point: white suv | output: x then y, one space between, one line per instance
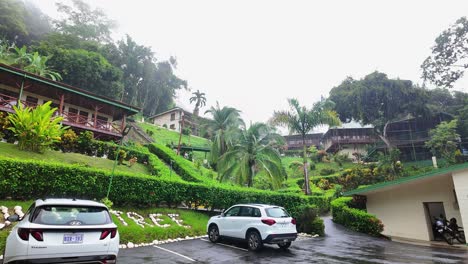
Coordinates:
63 231
256 223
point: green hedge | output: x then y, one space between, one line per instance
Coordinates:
34 179
183 167
355 219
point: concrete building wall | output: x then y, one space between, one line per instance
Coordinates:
402 210
460 180
165 119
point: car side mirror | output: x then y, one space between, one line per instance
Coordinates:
13 218
222 213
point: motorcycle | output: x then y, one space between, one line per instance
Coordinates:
450 231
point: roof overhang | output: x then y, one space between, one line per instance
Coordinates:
385 186
41 81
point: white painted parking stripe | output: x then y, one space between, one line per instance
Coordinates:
225 245
175 253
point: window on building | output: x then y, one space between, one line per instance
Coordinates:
83 117
31 101
172 116
172 127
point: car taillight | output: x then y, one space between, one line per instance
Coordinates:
106 232
268 221
37 235
293 221
23 233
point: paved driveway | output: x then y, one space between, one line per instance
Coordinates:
338 246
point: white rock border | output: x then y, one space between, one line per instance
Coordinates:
158 242
118 215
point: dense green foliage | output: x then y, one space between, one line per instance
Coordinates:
443 142
26 179
183 167
222 128
252 151
308 220
36 128
355 219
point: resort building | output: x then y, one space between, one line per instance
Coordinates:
173 118
348 141
408 207
82 110
295 141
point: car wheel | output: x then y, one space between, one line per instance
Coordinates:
254 240
213 233
284 245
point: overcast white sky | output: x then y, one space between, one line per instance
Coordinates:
253 55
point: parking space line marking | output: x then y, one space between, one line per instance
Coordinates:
180 255
225 245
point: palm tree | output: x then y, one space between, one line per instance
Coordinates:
38 66
200 101
252 152
302 120
222 129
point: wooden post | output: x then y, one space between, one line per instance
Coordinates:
62 100
180 135
95 116
123 122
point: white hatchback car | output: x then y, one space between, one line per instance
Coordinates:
63 231
255 223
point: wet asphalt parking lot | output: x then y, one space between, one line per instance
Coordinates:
338 246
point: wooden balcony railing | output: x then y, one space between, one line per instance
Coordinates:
70 119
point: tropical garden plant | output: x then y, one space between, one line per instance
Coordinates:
222 129
301 120
36 128
252 152
200 101
443 142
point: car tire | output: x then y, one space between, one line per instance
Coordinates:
284 245
213 233
254 241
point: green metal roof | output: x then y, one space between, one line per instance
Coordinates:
67 88
435 172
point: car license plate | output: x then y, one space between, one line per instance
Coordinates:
73 238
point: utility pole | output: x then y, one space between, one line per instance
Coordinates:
180 135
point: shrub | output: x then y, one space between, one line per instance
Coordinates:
183 167
85 143
107 202
121 157
29 179
321 155
324 184
355 219
326 171
308 220
4 124
36 128
69 141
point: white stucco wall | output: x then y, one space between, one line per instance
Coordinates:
402 211
460 180
165 119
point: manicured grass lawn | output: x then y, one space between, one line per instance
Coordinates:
12 151
167 136
136 234
133 232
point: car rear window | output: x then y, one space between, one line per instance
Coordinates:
276 212
71 215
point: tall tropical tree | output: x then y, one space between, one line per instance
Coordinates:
301 120
200 101
222 129
38 66
252 152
